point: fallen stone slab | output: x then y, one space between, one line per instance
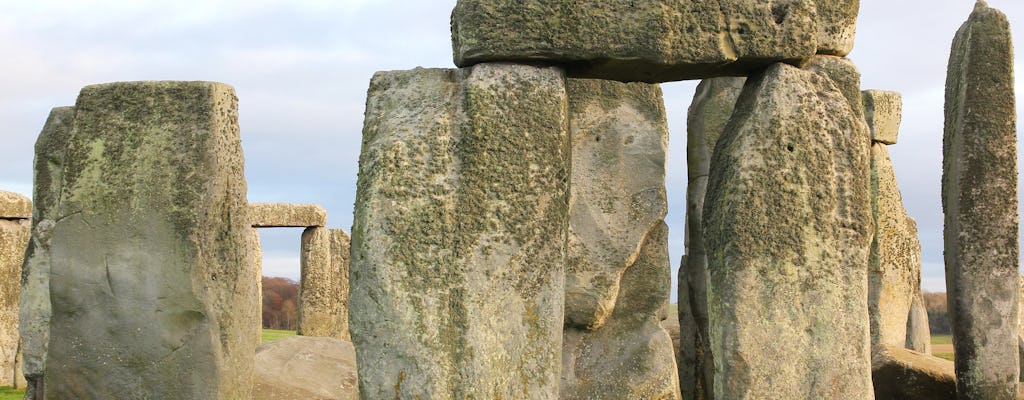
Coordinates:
902 374
14 206
286 215
649 41
793 148
323 286
151 281
305 368
883 111
979 200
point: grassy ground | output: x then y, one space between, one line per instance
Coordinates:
942 346
269 335
8 393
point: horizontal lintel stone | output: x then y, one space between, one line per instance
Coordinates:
285 215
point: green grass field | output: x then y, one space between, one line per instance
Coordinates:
269 335
942 340
9 393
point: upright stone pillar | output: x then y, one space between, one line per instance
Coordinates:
257 262
919 336
618 278
323 287
710 110
151 275
979 200
34 307
15 211
458 240
787 240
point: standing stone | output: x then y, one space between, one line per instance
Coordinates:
844 74
979 200
34 305
458 240
323 290
647 41
919 336
686 350
1020 327
151 278
615 346
837 25
883 112
894 267
787 242
709 112
14 236
257 262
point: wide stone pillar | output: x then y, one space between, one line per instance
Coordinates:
787 243
323 289
979 200
151 275
15 211
458 241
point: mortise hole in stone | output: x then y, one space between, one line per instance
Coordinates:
789 147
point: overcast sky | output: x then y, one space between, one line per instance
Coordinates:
301 69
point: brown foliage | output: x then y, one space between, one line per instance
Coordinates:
280 300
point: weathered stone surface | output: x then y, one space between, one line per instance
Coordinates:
883 111
844 74
686 348
651 41
305 368
457 267
710 110
979 200
14 206
894 269
323 290
837 26
630 357
619 135
792 148
671 325
1020 330
901 374
151 280
282 215
34 306
14 235
257 262
919 336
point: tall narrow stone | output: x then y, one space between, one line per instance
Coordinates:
323 289
709 112
151 279
458 240
787 239
919 336
618 277
257 262
14 236
979 200
34 306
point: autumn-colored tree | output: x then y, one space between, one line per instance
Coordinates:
280 299
938 315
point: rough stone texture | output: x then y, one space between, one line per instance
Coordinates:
919 336
619 135
284 215
14 206
979 200
883 111
837 26
894 268
458 240
671 325
686 346
708 114
792 148
323 290
151 279
1020 330
14 235
901 374
844 74
650 41
257 262
630 357
305 368
34 305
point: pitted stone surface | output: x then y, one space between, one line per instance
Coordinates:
14 206
792 148
979 200
150 265
919 336
14 235
837 25
630 356
883 111
619 134
283 215
649 41
894 269
901 374
457 280
844 74
34 305
323 294
712 105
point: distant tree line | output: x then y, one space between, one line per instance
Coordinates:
938 315
280 303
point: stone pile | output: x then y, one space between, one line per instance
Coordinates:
15 213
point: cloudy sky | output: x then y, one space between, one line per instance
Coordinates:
301 70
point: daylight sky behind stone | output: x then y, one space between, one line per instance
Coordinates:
301 69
